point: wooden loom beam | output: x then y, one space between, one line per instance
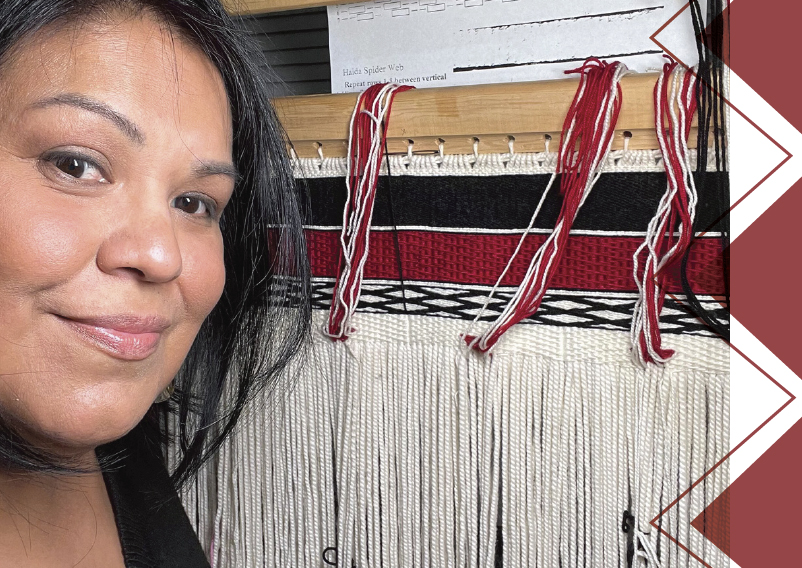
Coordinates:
482 117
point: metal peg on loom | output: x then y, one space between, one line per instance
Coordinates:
546 143
475 151
511 146
320 154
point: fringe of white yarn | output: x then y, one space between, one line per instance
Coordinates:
618 161
400 452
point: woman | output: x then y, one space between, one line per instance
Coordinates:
150 250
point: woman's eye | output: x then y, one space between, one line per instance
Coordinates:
78 168
193 206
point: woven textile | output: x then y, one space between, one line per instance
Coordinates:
399 448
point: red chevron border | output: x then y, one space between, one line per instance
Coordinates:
755 521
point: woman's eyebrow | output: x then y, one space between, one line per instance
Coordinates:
92 105
212 168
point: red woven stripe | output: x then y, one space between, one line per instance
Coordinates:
590 262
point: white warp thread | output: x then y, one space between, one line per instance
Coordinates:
398 451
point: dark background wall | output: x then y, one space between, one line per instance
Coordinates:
296 46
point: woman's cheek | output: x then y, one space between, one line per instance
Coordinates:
42 246
203 276
45 244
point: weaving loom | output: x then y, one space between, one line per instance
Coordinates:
401 447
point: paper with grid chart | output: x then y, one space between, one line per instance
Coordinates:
436 43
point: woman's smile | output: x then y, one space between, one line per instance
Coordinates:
127 337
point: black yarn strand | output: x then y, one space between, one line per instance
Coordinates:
396 242
711 112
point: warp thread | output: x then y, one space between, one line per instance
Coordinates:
586 140
365 151
674 103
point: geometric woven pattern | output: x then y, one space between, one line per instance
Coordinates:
584 310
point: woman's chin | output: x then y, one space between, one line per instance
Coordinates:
81 425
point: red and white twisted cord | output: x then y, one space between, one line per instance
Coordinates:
670 230
365 152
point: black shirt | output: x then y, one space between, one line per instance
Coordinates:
153 526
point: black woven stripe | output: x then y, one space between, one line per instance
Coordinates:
619 202
599 312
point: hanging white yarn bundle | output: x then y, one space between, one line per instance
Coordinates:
584 164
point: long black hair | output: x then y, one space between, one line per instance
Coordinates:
263 317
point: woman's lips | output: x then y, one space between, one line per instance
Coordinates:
130 338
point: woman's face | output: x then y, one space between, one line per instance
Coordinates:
115 164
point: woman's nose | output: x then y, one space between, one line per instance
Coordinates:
142 244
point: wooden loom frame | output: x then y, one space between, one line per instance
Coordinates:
482 119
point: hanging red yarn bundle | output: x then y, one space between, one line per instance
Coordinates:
670 230
365 152
586 139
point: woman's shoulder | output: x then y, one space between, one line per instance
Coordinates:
153 526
